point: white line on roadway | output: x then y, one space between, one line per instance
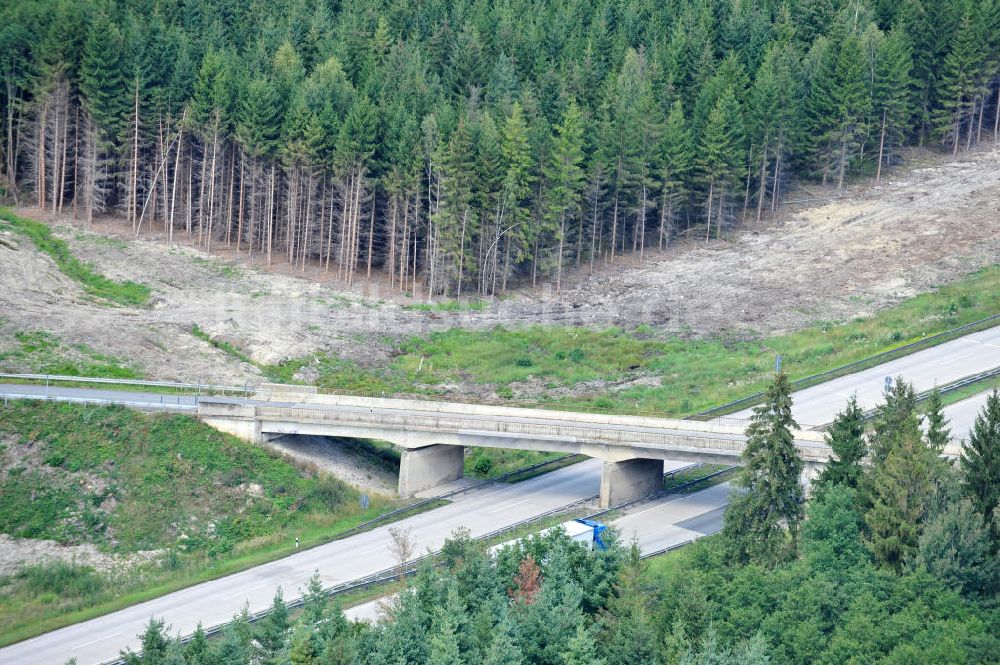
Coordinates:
97 640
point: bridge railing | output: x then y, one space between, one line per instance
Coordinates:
732 442
198 387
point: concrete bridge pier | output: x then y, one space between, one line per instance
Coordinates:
630 479
810 473
430 466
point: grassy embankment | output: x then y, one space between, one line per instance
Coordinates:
129 482
45 353
95 284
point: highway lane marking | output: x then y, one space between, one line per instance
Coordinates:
80 646
246 591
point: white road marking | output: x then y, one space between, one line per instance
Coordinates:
79 646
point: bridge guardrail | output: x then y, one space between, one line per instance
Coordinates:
569 433
97 401
62 378
728 407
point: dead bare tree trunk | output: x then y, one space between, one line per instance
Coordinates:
132 208
371 237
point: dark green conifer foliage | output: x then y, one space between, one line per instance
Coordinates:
895 420
956 547
675 160
892 92
938 432
980 464
565 178
959 83
581 649
901 483
103 84
846 436
517 182
720 158
271 632
762 520
301 105
503 650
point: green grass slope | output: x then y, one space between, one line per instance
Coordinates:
127 482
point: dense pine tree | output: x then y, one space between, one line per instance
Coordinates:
846 437
565 176
980 463
938 432
901 483
767 509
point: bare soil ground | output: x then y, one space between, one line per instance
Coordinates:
16 553
931 223
330 456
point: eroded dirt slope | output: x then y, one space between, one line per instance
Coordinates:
830 261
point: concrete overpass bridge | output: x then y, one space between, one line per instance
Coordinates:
433 435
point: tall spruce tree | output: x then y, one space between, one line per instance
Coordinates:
895 420
767 507
676 162
846 436
720 157
565 177
938 432
518 178
271 633
900 485
980 464
958 86
581 649
892 92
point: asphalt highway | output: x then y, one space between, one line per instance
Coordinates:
937 365
962 415
669 522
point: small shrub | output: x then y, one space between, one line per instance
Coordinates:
55 459
330 491
576 355
60 577
523 361
172 561
604 403
482 465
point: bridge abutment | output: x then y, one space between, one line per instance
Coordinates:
237 419
430 466
631 479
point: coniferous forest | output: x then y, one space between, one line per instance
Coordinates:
459 147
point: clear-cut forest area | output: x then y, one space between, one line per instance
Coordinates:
460 148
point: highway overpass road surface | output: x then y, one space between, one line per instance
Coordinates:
138 399
660 524
962 415
480 510
937 365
